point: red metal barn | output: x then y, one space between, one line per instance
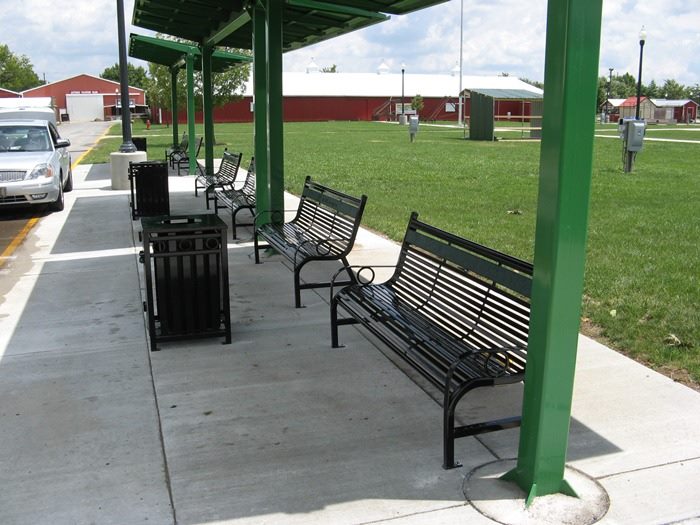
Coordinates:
312 97
86 97
6 93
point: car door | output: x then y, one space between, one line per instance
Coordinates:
63 154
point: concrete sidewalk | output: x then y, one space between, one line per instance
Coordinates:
276 427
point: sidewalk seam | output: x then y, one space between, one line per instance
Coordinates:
161 437
640 469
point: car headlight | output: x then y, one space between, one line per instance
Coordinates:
41 170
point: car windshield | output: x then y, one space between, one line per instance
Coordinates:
24 138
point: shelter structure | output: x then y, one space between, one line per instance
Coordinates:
672 111
486 105
177 56
271 27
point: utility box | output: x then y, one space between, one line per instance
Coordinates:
413 128
635 135
186 268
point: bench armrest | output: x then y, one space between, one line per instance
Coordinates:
490 352
357 275
275 213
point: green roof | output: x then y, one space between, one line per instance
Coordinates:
228 22
172 54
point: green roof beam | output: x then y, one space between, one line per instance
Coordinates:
334 8
231 27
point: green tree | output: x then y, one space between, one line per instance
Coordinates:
672 90
535 83
694 93
137 75
16 71
330 69
227 86
651 91
418 103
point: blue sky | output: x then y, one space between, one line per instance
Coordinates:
64 38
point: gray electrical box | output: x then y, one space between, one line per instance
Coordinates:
413 128
635 135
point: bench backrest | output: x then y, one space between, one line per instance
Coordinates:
185 140
248 187
479 295
228 169
326 213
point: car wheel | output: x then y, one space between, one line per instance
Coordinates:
69 182
58 204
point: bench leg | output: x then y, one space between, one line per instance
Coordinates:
448 439
195 187
334 323
297 287
257 248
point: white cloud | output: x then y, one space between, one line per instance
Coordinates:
64 38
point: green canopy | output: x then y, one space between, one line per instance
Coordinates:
229 22
172 54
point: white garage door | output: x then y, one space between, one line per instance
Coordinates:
85 108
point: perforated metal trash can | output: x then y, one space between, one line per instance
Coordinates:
149 189
186 269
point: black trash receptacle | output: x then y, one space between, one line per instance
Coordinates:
140 143
149 189
186 269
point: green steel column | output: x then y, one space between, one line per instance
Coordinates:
173 104
208 109
275 142
192 144
571 73
262 189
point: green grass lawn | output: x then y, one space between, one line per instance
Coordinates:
641 288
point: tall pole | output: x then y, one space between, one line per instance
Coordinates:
460 117
609 88
642 39
403 112
127 145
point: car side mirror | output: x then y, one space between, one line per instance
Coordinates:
62 143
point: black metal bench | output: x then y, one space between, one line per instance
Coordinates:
182 158
238 199
323 229
226 175
455 311
176 149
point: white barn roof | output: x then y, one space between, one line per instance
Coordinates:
663 103
388 85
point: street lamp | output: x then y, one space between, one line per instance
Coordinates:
607 102
403 107
642 39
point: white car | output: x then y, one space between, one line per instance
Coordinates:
35 165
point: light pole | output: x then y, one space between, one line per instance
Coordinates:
642 39
127 145
460 117
402 120
608 96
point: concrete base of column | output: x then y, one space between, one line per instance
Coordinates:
120 167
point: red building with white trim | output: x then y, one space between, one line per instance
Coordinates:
86 97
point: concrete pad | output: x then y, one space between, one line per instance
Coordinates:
504 502
663 494
79 440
